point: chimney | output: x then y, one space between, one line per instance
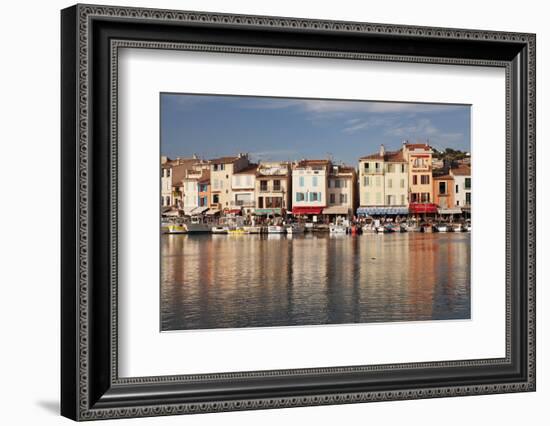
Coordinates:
382 150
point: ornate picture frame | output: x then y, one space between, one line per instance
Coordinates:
91 38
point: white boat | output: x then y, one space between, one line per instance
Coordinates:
369 229
457 227
441 227
468 227
253 229
276 229
197 226
295 228
219 229
335 228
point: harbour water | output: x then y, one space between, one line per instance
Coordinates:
232 281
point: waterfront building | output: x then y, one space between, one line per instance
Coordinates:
309 186
443 192
243 186
273 188
166 200
462 185
204 189
221 176
419 160
383 183
341 185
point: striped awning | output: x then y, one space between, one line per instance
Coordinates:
382 210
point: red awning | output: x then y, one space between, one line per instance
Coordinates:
422 208
233 211
307 210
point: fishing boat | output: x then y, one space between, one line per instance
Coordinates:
176 228
276 229
457 227
197 225
220 229
441 227
295 228
335 228
253 229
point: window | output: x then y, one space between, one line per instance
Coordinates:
343 198
402 200
456 189
301 181
276 185
260 202
314 181
329 183
366 166
442 188
390 184
415 180
337 183
425 197
332 198
167 172
366 181
402 168
314 196
300 196
377 166
263 185
467 183
468 198
425 179
345 183
162 201
215 198
402 183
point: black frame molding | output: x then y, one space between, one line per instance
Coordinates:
91 37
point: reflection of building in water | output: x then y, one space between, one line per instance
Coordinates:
309 290
422 274
383 277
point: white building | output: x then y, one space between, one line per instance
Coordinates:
166 199
243 190
309 186
463 185
221 178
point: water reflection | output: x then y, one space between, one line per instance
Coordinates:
220 281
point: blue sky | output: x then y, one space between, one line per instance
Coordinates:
278 129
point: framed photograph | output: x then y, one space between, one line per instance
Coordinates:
263 212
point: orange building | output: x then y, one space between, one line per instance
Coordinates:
443 191
419 158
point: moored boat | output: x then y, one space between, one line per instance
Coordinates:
295 228
197 225
441 227
253 229
176 228
219 229
237 231
335 228
457 227
276 229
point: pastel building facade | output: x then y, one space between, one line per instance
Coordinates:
462 185
419 160
273 188
221 177
443 191
309 186
243 186
341 183
383 179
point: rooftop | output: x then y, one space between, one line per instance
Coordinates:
462 170
389 156
249 170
